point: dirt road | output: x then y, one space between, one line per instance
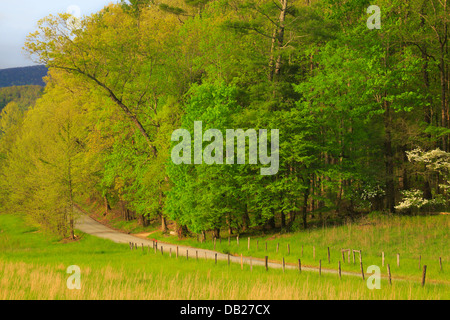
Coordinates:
89 226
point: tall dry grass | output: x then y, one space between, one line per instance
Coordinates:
25 281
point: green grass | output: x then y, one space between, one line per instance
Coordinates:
33 266
414 237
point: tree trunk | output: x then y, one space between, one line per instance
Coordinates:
123 210
388 153
280 36
107 206
217 233
389 159
230 229
305 206
444 111
443 102
245 219
283 220
271 221
427 190
272 59
182 231
71 203
163 223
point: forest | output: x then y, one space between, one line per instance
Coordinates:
25 96
362 113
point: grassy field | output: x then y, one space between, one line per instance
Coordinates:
420 240
33 266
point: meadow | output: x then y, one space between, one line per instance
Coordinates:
419 241
33 266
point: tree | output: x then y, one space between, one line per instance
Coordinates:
46 159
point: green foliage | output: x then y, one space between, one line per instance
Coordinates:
348 103
24 96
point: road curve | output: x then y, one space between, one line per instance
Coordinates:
86 224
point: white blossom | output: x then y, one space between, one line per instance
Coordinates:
434 160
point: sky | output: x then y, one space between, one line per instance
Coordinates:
18 18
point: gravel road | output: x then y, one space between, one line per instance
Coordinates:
88 225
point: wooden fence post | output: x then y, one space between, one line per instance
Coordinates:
328 254
320 267
362 269
389 273
289 249
215 258
267 263
278 247
162 250
353 251
299 266
187 254
440 263
196 255
348 255
423 275
284 265
339 267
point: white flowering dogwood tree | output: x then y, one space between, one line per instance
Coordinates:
434 161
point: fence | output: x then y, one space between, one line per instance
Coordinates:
344 253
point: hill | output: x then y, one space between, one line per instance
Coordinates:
23 76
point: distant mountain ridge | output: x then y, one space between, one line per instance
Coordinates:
23 76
